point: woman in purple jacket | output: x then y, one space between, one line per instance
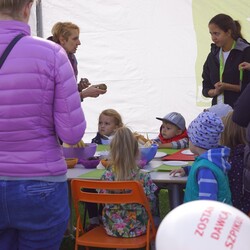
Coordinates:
39 102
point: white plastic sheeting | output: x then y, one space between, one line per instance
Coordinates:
144 50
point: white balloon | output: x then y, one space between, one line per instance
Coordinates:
206 225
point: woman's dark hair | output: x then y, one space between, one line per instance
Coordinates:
226 23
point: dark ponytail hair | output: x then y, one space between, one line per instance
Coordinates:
226 23
238 30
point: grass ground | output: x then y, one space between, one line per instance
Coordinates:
68 243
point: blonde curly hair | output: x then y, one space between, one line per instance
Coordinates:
63 29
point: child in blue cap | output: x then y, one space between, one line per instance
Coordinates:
207 177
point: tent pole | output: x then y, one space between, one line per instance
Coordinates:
39 18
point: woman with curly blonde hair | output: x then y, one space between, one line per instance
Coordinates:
67 35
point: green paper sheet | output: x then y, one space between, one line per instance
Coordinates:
102 147
165 168
95 174
168 151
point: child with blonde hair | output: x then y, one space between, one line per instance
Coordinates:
126 220
234 137
109 121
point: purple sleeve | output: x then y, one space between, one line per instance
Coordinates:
208 187
70 123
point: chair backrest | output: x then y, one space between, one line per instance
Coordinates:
135 195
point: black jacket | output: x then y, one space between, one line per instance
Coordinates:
231 74
241 116
97 139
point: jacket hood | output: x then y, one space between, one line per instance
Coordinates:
241 44
219 156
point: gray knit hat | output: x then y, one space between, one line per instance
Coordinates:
205 130
175 118
220 109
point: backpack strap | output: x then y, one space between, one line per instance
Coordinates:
9 48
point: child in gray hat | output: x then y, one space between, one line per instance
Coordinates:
220 109
173 132
207 177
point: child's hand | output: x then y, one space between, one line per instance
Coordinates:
155 142
179 171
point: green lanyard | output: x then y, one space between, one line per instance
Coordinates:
222 64
220 98
241 77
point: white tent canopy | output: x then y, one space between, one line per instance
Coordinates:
148 52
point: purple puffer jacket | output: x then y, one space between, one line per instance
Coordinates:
39 102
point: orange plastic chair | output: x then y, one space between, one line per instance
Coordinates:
98 237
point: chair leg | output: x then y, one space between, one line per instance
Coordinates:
152 245
84 216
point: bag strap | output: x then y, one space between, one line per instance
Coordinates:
9 48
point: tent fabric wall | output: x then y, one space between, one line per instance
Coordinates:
144 50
